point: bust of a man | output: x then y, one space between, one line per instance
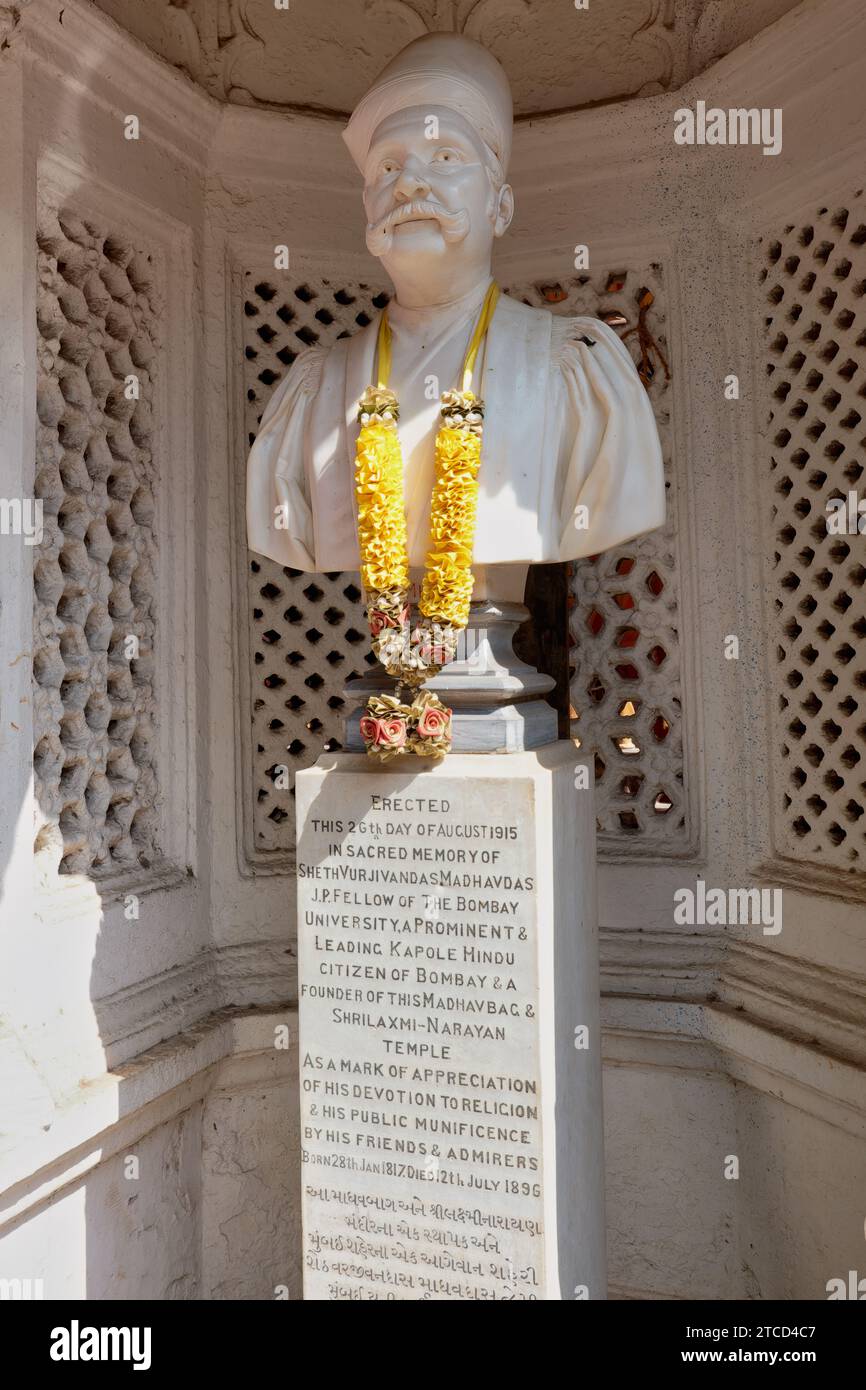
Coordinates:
570 463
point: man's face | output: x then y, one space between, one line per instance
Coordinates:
427 192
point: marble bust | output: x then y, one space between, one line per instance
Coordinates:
571 463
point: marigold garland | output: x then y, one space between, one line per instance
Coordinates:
447 588
381 516
415 652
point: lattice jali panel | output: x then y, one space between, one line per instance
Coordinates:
309 634
98 315
814 279
624 624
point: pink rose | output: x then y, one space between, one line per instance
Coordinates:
391 732
433 654
433 721
378 619
369 728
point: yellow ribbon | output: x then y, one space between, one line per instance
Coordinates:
383 342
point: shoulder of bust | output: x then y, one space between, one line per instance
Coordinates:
565 334
573 333
306 372
518 312
580 326
562 327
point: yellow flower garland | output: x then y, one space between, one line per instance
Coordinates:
446 591
447 588
381 516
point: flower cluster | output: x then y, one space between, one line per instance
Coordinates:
463 410
413 652
378 400
387 613
391 729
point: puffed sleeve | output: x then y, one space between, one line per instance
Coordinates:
279 515
610 459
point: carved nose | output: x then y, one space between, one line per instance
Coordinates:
411 184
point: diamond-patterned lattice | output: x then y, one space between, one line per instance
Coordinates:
95 571
624 625
309 634
814 279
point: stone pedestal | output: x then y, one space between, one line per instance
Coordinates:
449 1028
497 700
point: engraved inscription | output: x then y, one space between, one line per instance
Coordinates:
420 1083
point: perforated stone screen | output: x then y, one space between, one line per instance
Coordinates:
95 570
624 627
814 286
309 635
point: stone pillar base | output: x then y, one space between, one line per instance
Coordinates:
449 1029
496 697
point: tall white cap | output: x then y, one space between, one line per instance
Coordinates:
440 69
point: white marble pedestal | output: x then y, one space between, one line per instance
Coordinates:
449 1028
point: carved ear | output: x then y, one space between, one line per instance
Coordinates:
504 210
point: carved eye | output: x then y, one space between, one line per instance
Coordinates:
388 166
446 156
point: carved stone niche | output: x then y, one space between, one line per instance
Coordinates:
620 670
557 56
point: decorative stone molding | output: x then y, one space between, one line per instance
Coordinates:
244 975
136 1017
160 1084
818 1005
662 964
73 43
557 57
650 1033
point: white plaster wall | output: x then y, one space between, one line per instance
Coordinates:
670 1212
65 130
800 1199
110 1236
177 1178
251 1235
